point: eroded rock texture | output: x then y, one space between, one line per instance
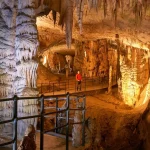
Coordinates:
18 45
94 57
56 61
113 125
26 44
7 59
134 74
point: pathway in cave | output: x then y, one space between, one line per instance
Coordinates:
110 114
85 88
46 79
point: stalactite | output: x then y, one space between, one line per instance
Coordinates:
145 5
65 8
66 15
69 22
105 7
80 9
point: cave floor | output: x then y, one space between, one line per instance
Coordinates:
102 107
54 143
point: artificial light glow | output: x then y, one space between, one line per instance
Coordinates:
85 53
44 62
135 44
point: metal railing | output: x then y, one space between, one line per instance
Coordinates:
42 116
71 85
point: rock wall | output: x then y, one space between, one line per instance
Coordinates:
134 73
114 129
56 62
94 57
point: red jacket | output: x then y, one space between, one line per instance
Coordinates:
78 77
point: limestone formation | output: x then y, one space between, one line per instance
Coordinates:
97 48
7 60
19 42
134 74
69 60
94 57
26 43
56 62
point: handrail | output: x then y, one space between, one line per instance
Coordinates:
42 114
70 84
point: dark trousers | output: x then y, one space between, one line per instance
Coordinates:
78 85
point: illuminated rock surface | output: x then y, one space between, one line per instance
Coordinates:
104 33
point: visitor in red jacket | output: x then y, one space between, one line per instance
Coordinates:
78 79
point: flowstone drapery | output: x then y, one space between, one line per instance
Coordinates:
7 60
7 50
26 44
134 75
18 45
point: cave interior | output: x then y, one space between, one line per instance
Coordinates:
44 43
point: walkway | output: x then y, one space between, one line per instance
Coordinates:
69 85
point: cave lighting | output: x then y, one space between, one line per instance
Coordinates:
135 44
85 53
44 61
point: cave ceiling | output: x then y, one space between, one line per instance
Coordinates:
95 25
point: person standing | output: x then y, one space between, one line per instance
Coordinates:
28 141
78 79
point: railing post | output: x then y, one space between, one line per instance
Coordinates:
92 78
102 81
67 122
56 124
68 84
65 87
59 85
15 122
85 83
49 87
75 86
53 88
83 124
42 123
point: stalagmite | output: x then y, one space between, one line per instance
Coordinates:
69 60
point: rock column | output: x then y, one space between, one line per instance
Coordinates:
7 61
26 44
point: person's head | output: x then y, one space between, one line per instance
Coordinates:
30 131
78 72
